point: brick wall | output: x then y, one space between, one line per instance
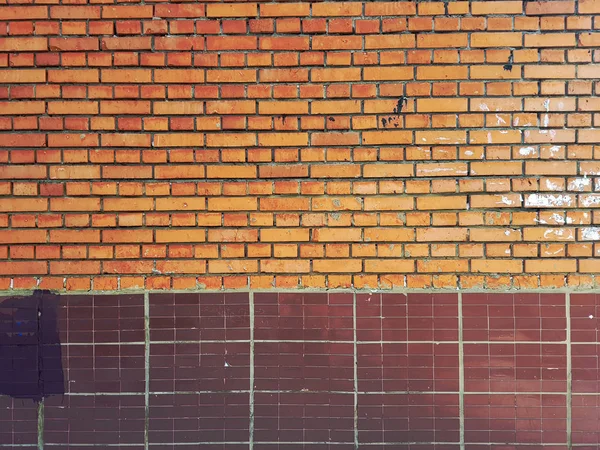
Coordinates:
316 145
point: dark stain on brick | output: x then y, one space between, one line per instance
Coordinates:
402 101
30 351
331 119
508 66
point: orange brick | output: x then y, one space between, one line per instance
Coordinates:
127 12
17 44
22 76
496 266
23 12
23 268
389 266
232 10
496 7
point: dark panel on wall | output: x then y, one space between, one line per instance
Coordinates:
301 370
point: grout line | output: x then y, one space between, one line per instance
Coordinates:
300 391
569 374
146 370
40 425
23 292
461 374
251 375
356 445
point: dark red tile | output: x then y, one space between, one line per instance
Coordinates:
514 317
408 418
585 367
303 316
205 417
515 419
18 421
319 366
585 424
508 367
94 419
408 366
194 317
105 368
199 366
304 416
585 325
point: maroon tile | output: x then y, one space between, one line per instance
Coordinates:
18 421
521 418
432 317
389 418
585 368
303 316
304 416
408 367
585 324
514 317
585 423
508 367
104 368
94 419
199 366
185 418
194 317
320 366
381 317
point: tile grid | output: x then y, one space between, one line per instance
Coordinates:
251 374
461 374
568 392
146 370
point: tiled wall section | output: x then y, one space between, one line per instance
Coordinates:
301 370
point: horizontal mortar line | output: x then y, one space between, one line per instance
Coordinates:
300 391
233 391
432 291
200 443
208 341
92 394
101 394
457 443
93 445
89 344
19 445
305 442
515 393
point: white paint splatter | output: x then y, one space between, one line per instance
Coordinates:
526 151
500 120
590 200
506 201
547 200
590 234
579 184
484 107
559 234
553 186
